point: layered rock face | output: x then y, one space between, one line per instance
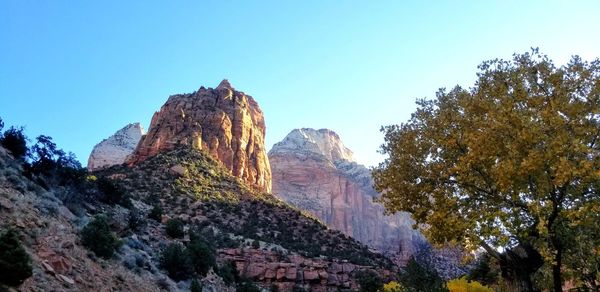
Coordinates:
227 123
115 149
312 170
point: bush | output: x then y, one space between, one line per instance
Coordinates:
15 263
156 213
195 286
464 285
135 220
15 141
369 281
228 273
175 261
98 237
201 256
247 286
174 228
392 286
113 193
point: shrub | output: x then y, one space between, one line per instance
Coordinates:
156 213
135 220
175 261
15 141
464 285
392 286
201 256
256 244
195 286
369 281
228 273
113 193
98 237
15 263
174 228
247 286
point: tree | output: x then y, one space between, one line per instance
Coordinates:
15 141
1 124
15 263
174 259
513 160
202 256
45 155
98 237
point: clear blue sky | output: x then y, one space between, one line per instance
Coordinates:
80 70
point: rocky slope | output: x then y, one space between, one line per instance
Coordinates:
115 149
314 171
226 123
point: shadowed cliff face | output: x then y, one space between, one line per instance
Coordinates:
227 123
314 171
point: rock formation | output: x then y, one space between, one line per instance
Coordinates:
115 149
227 123
312 170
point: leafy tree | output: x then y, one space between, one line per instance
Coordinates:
15 263
174 259
45 155
98 237
513 160
484 271
174 228
369 281
15 141
202 256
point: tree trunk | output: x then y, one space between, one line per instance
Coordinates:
556 274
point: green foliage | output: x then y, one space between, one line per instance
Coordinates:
247 286
421 276
195 286
513 160
228 272
485 271
369 281
15 263
174 228
135 220
98 237
156 213
201 255
175 261
113 193
464 285
15 141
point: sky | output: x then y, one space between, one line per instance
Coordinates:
80 70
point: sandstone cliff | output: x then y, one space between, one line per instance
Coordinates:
313 170
115 149
227 123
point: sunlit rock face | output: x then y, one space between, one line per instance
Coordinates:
115 149
227 123
313 170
